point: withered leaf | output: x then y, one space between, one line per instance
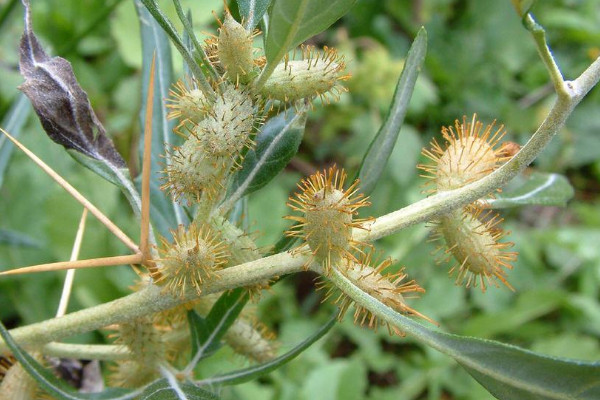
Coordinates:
60 103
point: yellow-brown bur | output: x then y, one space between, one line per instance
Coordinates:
327 216
469 154
194 257
371 279
475 246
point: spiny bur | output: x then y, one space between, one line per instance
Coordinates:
471 236
235 50
316 75
468 155
148 349
186 104
194 257
191 173
225 130
370 277
327 219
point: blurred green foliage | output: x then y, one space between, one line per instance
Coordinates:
480 59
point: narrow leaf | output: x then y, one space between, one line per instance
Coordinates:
14 238
294 21
276 144
163 390
252 11
536 189
207 334
381 147
51 383
250 373
170 30
13 122
190 36
154 40
506 371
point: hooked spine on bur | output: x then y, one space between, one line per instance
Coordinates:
327 218
470 236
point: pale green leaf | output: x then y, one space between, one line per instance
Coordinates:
294 21
12 122
381 147
538 188
164 390
252 11
506 371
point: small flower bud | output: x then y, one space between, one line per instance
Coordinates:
234 50
316 75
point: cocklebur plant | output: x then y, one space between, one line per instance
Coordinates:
240 118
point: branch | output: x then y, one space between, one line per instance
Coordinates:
151 300
108 352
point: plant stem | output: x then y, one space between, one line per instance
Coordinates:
108 352
151 300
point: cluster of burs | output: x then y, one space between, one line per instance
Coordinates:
218 124
219 127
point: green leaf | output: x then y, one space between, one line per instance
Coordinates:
12 123
163 390
207 332
381 147
190 36
13 238
506 371
155 42
276 144
538 188
252 11
250 373
51 383
170 30
291 22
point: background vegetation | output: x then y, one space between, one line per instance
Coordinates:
480 59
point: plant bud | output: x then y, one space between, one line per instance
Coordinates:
370 278
328 215
194 257
316 75
473 240
235 51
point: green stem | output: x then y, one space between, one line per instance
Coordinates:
107 352
151 300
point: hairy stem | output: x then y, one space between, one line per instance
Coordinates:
151 300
